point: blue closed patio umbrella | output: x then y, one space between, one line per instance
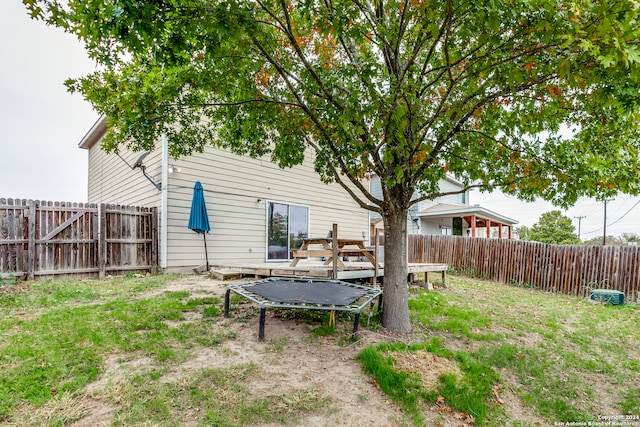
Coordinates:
198 218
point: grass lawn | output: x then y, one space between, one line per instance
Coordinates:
525 357
56 336
480 354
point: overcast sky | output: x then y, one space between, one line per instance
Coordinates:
40 122
41 125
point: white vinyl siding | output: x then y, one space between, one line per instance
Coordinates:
112 181
452 199
435 226
421 227
237 191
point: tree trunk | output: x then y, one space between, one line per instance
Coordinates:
395 300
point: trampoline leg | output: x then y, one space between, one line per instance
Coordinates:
356 323
226 303
380 303
263 312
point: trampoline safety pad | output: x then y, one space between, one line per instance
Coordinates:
309 294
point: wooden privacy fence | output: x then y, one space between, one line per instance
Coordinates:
39 238
572 270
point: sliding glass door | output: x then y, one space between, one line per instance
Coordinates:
287 226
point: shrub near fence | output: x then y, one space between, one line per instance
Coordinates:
45 239
568 269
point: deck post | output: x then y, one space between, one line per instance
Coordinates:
334 248
375 256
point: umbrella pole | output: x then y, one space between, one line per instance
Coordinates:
206 254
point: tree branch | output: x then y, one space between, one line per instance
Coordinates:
309 112
337 176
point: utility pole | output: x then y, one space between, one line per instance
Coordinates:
604 237
579 218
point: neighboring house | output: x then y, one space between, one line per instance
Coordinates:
258 212
451 215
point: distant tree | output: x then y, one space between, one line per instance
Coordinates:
624 239
523 232
597 241
553 227
630 238
278 226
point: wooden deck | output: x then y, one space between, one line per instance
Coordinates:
352 270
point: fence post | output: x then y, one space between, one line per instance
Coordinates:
31 263
102 241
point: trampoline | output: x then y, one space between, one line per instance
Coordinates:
307 294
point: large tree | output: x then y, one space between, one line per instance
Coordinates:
538 98
553 227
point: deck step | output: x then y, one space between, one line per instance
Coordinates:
226 274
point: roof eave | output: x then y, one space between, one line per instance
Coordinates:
94 134
478 211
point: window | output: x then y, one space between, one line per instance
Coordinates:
462 198
287 226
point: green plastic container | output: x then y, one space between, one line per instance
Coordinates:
607 295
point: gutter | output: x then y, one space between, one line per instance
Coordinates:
94 134
164 202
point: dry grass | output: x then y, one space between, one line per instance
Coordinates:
428 366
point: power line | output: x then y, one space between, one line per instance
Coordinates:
626 213
614 222
621 206
593 206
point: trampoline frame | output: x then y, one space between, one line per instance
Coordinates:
264 303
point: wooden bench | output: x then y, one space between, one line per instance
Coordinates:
353 252
310 253
327 251
426 269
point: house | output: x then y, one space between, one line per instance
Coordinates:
449 215
257 211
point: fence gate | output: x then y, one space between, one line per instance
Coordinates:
40 238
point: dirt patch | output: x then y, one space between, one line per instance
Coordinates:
13 289
428 366
98 413
116 369
512 404
288 360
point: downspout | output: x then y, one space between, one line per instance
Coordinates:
164 202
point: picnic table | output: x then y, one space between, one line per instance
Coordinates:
345 248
